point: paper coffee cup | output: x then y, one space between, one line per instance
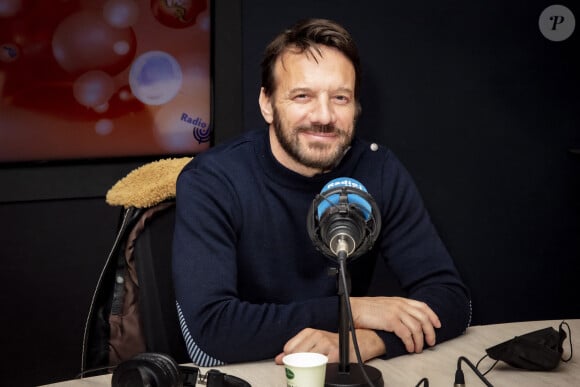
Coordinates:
305 369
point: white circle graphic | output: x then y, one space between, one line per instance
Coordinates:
155 78
557 23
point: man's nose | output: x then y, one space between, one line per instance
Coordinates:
322 112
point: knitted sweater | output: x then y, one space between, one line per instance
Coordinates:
247 277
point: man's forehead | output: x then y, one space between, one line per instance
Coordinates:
311 55
314 52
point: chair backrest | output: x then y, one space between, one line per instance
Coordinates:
158 316
133 307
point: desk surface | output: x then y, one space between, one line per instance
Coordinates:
438 364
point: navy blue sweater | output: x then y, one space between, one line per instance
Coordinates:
246 274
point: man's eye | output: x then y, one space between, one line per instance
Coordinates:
301 97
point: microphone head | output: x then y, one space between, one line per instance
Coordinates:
332 195
343 218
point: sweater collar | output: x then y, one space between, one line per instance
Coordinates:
286 177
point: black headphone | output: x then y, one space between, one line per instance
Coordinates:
160 370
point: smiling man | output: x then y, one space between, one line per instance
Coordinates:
312 110
249 283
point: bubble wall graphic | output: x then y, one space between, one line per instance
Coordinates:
103 78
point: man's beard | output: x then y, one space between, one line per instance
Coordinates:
323 161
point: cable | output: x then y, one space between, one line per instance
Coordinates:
342 270
490 368
569 338
83 373
460 378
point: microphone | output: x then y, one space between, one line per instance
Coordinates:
343 219
343 223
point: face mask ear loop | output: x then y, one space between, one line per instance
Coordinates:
489 369
569 339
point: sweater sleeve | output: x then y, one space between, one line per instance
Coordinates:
415 253
218 325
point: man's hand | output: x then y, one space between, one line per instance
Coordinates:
326 343
412 321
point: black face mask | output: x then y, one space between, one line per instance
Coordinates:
539 350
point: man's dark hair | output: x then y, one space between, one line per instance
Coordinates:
306 35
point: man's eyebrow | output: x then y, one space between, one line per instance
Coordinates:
345 90
299 90
307 89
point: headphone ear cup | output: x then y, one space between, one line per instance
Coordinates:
147 369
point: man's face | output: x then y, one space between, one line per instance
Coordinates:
312 111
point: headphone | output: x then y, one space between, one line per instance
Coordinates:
159 370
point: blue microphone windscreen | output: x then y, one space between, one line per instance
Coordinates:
331 200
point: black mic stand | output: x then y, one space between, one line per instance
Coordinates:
344 373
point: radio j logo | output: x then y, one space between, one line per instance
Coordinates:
200 129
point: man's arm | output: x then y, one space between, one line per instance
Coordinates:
414 322
217 323
326 343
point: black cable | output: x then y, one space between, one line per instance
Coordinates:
82 374
569 338
490 368
425 382
342 269
459 376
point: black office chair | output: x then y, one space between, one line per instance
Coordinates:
133 307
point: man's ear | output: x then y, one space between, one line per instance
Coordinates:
266 106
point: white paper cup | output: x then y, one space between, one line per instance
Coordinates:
305 369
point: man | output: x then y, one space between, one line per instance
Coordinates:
249 283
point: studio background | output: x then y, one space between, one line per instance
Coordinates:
484 111
480 107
